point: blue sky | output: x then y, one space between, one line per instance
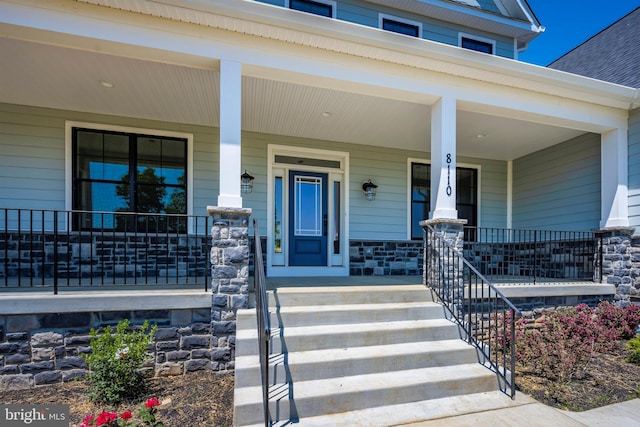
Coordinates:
569 23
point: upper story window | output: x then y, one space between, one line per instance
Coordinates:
316 7
478 44
400 25
127 172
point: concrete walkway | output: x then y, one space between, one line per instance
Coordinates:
530 413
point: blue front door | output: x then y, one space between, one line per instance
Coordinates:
307 218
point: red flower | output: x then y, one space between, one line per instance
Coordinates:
126 415
87 421
152 403
106 418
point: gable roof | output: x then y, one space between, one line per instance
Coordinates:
612 55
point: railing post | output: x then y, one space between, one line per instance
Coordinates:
55 252
535 255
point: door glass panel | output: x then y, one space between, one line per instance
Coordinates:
336 217
308 206
277 220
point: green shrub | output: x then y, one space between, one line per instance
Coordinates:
634 345
115 362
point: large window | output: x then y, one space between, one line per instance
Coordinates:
466 196
317 7
126 172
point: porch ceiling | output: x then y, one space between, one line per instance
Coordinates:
59 77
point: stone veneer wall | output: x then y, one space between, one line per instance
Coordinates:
621 262
38 349
161 257
384 258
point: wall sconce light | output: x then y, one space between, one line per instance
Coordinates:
246 182
369 189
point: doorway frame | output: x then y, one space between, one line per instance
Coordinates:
337 265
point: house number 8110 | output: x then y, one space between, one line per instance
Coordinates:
449 190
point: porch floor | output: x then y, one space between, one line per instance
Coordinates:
540 289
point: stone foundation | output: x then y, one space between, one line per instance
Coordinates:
386 258
621 262
39 349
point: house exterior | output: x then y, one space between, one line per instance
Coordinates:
314 99
118 118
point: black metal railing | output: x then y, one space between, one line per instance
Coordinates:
264 323
70 249
483 313
509 255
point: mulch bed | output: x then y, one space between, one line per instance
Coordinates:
608 379
203 398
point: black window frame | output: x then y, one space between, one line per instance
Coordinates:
81 220
313 7
396 26
416 232
476 45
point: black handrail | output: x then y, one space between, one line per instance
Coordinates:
485 315
59 250
264 323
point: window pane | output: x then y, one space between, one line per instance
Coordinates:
150 198
466 185
310 6
101 156
308 206
400 27
420 182
419 212
175 202
477 45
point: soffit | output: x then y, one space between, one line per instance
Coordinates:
69 79
252 18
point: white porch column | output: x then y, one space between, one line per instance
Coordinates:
230 134
614 179
443 159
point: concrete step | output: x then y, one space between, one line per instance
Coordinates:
418 412
310 365
359 392
343 314
341 295
292 339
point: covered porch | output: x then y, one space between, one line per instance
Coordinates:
443 133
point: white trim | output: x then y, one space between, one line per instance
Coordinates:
68 152
333 4
509 193
383 16
427 161
477 38
283 269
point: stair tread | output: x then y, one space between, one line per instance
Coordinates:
353 327
370 382
348 289
415 412
354 353
353 307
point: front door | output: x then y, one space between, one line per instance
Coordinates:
307 218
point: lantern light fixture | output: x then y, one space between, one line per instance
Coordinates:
369 189
246 182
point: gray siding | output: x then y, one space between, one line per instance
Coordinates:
32 150
634 169
32 169
559 188
386 217
364 13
